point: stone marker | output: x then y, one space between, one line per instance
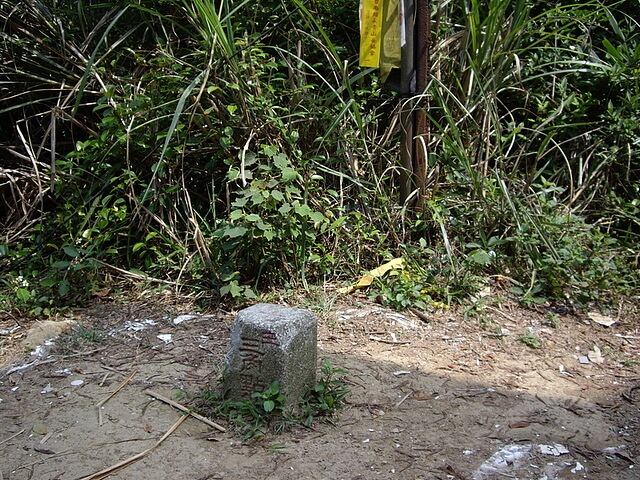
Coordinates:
269 343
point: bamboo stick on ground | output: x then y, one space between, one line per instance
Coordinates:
105 400
12 436
151 393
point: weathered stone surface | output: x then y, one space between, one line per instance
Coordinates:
269 343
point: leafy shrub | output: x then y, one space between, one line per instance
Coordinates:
211 144
271 228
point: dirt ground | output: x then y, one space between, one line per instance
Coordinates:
442 397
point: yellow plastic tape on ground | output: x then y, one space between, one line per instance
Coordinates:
370 32
367 278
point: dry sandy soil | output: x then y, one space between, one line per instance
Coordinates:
447 398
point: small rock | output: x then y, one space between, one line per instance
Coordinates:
556 449
40 332
40 429
183 318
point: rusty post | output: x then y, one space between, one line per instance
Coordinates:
421 132
415 73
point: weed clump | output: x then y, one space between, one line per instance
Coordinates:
266 411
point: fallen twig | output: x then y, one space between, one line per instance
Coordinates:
104 379
27 365
12 436
404 398
82 354
120 387
508 317
126 440
151 393
422 316
125 463
390 342
629 395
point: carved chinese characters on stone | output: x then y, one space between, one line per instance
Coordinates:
252 352
271 343
270 339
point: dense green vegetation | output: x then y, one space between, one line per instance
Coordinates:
230 147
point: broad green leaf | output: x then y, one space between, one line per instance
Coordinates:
480 257
235 232
233 174
232 289
23 294
317 217
284 209
250 158
257 198
293 190
277 195
71 251
262 225
289 174
240 202
281 161
339 222
270 150
303 210
236 214
63 288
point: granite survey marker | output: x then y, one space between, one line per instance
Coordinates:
272 343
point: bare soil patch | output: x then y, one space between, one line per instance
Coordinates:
451 398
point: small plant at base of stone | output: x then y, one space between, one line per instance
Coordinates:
266 411
327 395
248 418
271 399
